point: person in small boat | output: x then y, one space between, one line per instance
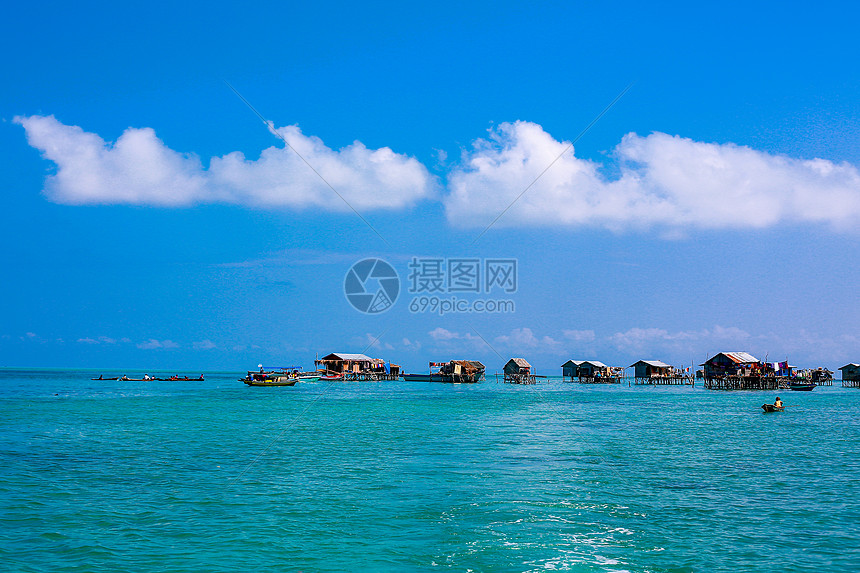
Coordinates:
777 403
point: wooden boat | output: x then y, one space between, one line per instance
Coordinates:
279 381
101 378
435 377
452 372
768 408
278 377
331 377
802 386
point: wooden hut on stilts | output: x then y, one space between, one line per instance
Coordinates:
519 371
850 375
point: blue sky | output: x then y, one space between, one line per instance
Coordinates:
152 220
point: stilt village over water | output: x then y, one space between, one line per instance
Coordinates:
723 371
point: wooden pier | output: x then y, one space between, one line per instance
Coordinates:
746 383
368 376
518 378
597 379
850 383
664 381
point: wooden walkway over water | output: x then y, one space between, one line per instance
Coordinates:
368 376
851 383
665 381
746 383
511 378
593 379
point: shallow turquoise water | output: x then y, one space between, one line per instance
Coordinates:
216 476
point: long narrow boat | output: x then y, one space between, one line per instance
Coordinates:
144 379
435 377
768 408
452 372
802 386
280 381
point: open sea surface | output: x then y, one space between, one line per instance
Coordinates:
396 476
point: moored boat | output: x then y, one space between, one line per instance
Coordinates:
802 386
280 381
452 372
280 376
433 377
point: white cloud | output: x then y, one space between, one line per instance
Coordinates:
100 340
525 338
797 345
644 340
579 335
153 344
442 334
373 341
666 181
204 345
139 169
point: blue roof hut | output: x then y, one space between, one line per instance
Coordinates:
570 369
850 373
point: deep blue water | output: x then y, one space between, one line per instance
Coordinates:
394 476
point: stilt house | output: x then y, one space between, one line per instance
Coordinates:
519 371
570 369
651 369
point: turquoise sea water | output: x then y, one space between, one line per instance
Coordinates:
394 476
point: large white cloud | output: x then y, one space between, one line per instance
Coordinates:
140 169
665 181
